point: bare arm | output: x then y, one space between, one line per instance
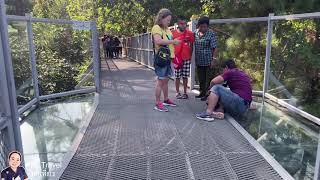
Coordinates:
159 41
213 44
215 53
214 57
217 80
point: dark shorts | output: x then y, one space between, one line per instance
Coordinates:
232 102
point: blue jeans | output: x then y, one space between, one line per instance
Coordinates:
163 72
231 102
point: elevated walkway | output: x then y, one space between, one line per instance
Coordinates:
127 139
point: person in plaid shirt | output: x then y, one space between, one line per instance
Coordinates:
205 54
185 50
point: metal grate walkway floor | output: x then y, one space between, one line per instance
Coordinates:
127 139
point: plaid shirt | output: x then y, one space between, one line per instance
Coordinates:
203 47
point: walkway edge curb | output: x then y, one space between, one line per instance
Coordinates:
75 144
263 152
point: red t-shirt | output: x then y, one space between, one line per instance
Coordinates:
187 38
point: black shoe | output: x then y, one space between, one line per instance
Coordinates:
200 96
204 98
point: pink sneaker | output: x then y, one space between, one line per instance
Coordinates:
160 107
168 102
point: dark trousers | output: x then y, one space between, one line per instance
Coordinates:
204 77
109 52
116 52
120 51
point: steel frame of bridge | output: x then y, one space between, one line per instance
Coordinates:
9 113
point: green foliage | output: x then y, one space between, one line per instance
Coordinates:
129 17
81 10
20 60
20 53
313 108
295 59
121 18
62 54
57 77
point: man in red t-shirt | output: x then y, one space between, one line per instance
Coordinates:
185 50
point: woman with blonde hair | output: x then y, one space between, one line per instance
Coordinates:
162 38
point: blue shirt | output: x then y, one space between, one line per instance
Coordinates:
9 174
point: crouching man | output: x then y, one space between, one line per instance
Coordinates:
235 101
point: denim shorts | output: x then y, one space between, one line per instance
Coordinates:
232 102
163 72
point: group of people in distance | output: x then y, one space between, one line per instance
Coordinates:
112 46
235 101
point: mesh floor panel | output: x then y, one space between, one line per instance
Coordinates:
127 139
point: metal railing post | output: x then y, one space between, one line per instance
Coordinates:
96 59
32 56
148 47
193 62
268 55
317 167
140 58
145 53
127 50
5 103
11 89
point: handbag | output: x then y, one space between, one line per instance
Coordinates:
178 61
163 57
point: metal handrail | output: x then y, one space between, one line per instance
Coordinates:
43 20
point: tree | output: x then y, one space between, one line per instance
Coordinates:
121 17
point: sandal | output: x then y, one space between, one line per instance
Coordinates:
179 96
185 96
